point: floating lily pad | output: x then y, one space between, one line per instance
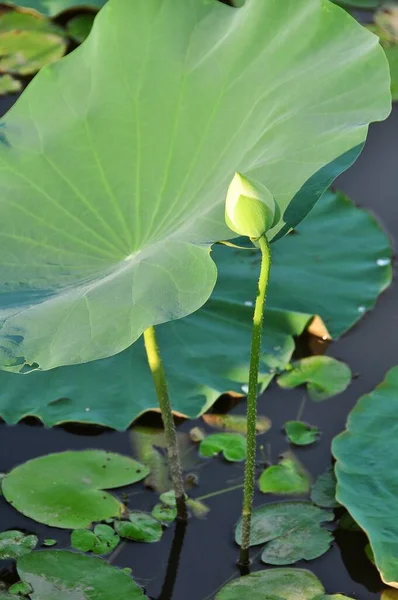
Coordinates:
292 529
164 514
49 542
141 527
325 376
68 576
21 588
282 584
115 391
367 477
301 434
323 492
232 446
9 85
28 42
100 541
14 544
66 489
288 477
235 423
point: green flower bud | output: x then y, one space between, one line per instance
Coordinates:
249 208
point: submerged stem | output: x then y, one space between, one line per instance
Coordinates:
258 319
159 378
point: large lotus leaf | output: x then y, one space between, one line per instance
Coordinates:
367 477
68 576
116 390
285 584
320 257
66 489
53 7
113 194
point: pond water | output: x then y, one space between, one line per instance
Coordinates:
206 559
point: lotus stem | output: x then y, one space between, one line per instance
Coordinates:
250 466
159 378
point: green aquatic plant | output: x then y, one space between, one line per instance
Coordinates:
109 236
284 584
366 472
250 211
66 489
291 530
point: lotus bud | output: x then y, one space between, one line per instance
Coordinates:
249 208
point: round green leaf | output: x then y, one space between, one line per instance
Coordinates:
141 528
232 446
14 544
164 514
83 540
28 42
21 588
49 542
284 584
66 489
287 477
325 376
323 492
367 477
68 576
301 434
292 529
53 7
107 235
115 391
169 498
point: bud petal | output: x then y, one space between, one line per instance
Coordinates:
249 208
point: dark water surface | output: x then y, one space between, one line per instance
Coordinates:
208 554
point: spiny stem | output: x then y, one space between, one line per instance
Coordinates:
159 378
250 466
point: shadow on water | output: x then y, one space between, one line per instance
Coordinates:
194 561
